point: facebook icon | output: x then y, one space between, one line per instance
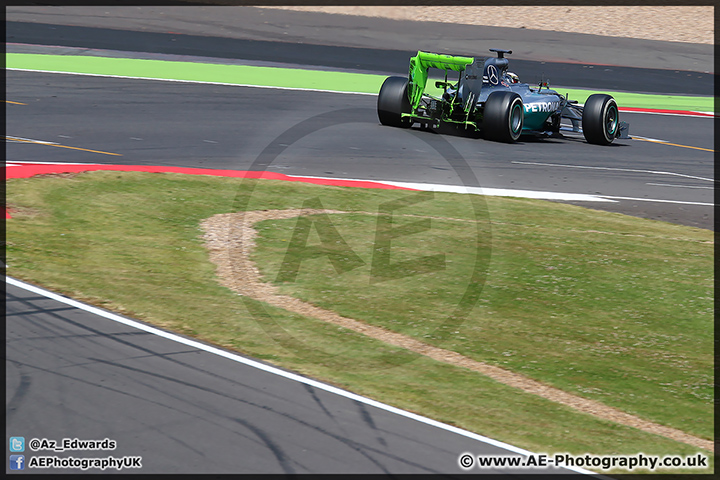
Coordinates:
17 462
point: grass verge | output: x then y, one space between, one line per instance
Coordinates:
610 307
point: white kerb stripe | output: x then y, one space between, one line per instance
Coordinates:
495 192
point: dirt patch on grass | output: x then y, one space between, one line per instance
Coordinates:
230 240
19 211
59 175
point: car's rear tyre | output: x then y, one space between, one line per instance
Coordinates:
393 101
600 119
503 117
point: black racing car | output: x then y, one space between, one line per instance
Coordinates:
488 98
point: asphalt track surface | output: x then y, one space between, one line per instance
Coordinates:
187 411
226 127
227 31
166 123
391 62
72 374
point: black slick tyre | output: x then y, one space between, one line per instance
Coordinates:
393 101
600 119
503 117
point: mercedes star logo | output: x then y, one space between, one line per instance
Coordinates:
492 74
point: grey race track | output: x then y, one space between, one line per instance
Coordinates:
227 127
162 123
188 411
72 374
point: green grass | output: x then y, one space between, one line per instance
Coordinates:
573 298
610 307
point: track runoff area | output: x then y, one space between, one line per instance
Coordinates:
342 83
301 79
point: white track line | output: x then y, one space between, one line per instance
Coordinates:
633 137
28 140
694 114
273 370
679 186
21 163
655 172
705 204
192 81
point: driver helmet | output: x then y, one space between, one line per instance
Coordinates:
512 77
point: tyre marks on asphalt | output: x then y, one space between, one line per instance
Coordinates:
147 378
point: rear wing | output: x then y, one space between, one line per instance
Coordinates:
419 66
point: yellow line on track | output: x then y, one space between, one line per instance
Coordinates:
63 146
88 150
15 103
673 144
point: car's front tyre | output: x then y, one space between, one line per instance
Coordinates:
600 119
503 117
393 101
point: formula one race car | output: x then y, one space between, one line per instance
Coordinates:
487 98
